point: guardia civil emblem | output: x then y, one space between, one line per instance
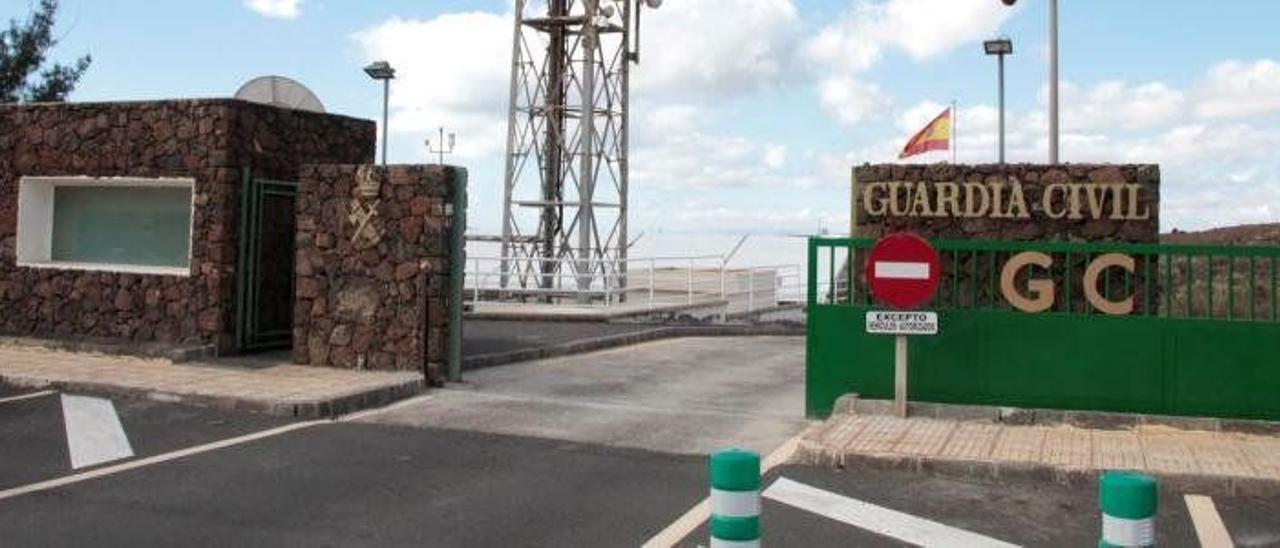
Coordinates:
363 209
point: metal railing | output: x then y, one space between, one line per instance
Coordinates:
650 282
1168 281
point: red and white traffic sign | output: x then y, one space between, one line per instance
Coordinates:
903 270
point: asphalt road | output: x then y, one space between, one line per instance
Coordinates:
682 396
418 474
34 444
345 484
604 449
1019 512
351 483
481 337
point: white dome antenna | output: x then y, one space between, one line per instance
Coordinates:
280 92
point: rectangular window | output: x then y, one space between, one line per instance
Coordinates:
121 225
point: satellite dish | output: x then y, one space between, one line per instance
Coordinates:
280 92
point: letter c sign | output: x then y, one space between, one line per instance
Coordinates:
1042 291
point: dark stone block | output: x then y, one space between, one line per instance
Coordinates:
378 286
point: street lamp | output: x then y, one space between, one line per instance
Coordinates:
1053 77
442 150
381 70
1000 48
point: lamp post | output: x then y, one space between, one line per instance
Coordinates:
1000 48
381 70
1053 81
442 150
1053 77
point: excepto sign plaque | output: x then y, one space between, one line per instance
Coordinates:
902 323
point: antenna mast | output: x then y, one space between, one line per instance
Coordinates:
565 193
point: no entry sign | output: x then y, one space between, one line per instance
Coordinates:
903 270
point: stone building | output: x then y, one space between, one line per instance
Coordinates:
123 222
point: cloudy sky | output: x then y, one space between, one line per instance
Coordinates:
748 114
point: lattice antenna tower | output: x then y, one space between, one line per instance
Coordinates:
566 182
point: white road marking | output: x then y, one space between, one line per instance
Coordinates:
94 432
700 512
1209 527
30 396
902 271
877 519
157 459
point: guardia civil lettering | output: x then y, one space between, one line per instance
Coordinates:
1005 199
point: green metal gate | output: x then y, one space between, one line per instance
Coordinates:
1203 338
264 273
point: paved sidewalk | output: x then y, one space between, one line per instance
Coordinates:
1218 462
287 390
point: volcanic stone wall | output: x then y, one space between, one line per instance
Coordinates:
373 267
1070 202
210 141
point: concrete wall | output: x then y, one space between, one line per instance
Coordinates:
210 141
1069 202
373 267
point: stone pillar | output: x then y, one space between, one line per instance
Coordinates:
373 267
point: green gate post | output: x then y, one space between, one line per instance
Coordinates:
735 499
457 266
1128 501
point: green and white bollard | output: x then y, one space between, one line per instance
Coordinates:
735 499
1128 501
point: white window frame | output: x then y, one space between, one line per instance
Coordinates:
35 222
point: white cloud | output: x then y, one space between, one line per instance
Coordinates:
1116 105
1227 147
979 119
693 160
850 100
921 28
675 148
925 28
279 9
720 48
454 70
1236 89
1230 89
664 119
775 156
451 71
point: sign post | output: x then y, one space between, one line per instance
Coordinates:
900 376
902 271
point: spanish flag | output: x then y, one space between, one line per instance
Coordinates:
935 136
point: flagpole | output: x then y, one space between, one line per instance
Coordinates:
955 119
